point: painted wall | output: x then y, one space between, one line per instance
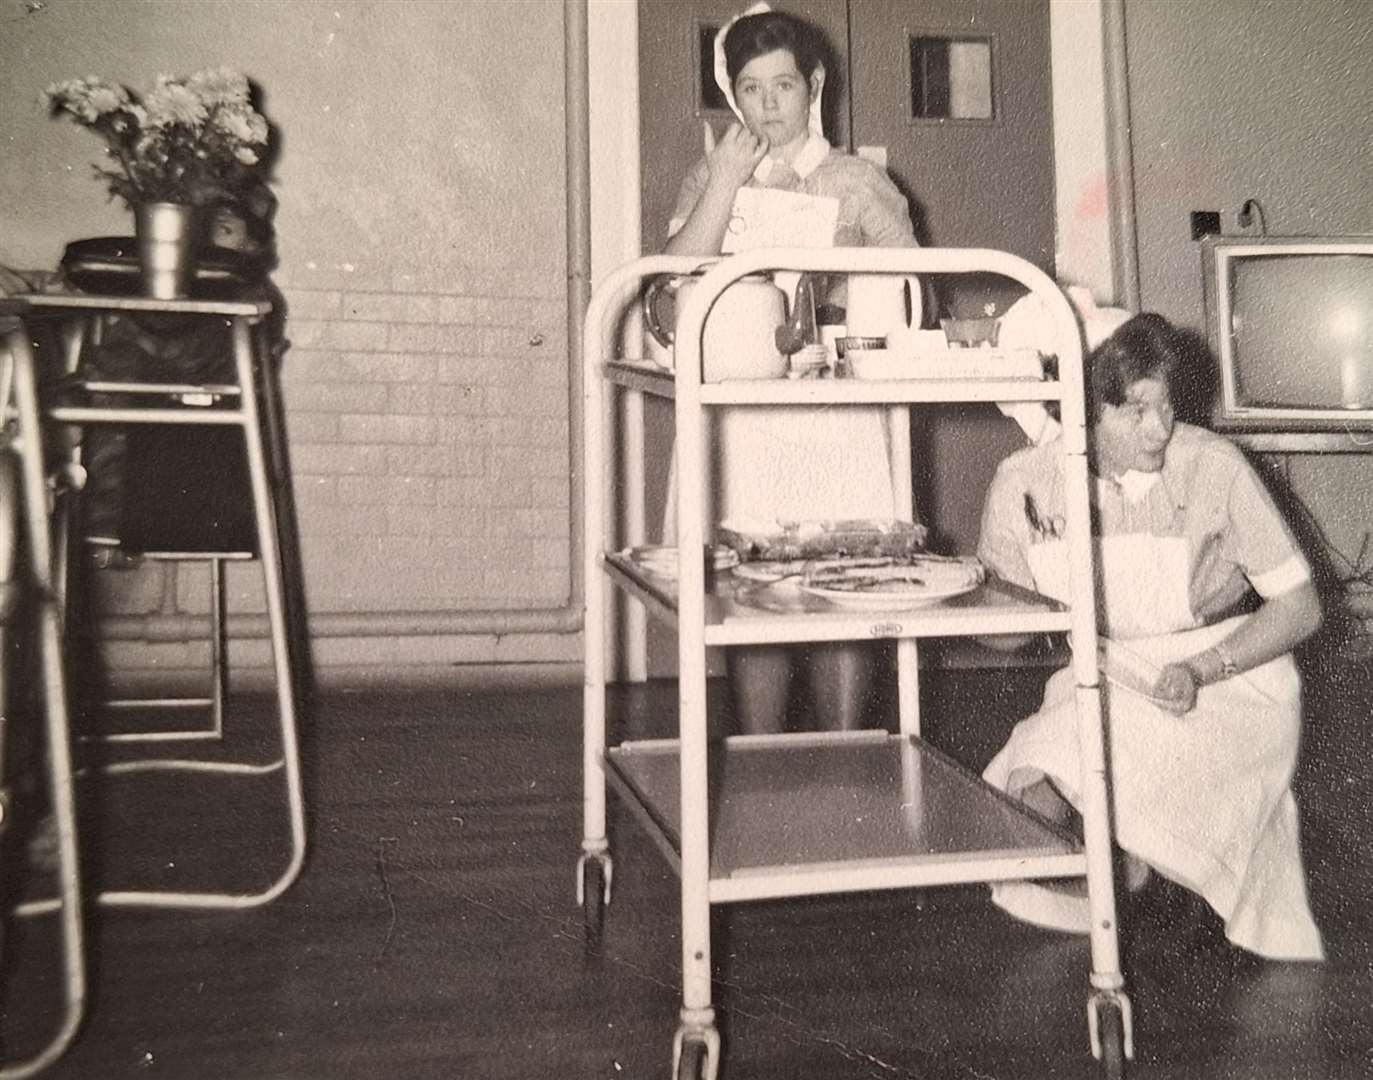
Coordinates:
1269 100
1243 99
1082 252
422 240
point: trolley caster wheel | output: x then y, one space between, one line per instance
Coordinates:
593 894
692 1064
1112 1044
697 1056
1111 1037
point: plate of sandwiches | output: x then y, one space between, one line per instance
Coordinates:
900 585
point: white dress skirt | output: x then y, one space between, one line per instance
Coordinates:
1203 798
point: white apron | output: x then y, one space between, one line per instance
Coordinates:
791 463
774 463
1204 798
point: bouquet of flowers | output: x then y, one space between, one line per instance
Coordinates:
194 140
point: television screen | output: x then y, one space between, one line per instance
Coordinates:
1291 324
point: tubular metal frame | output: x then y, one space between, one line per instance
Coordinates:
252 407
28 489
689 845
219 666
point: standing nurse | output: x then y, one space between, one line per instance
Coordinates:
795 463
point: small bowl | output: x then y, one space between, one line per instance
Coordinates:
845 345
971 333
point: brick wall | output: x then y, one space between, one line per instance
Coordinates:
429 443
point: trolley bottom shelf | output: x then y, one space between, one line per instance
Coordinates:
795 815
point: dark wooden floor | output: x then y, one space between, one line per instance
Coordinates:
434 932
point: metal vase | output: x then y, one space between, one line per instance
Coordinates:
168 236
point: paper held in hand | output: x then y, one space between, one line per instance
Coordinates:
764 217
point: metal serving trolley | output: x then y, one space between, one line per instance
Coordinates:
911 817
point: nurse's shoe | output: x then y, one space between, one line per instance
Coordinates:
1135 874
1051 905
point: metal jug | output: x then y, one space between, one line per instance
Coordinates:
740 333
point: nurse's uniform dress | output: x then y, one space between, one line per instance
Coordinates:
805 463
1203 798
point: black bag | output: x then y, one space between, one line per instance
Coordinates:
187 489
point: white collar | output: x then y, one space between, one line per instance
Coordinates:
1134 485
808 159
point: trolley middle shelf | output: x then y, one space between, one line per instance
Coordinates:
805 814
741 613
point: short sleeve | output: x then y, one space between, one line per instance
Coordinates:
693 186
1257 538
1001 542
884 216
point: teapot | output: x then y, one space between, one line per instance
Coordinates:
740 333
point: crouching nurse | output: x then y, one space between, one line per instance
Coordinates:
1202 595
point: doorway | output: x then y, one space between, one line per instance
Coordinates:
954 97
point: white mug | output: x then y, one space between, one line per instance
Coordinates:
883 304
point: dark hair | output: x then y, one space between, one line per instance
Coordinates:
1146 346
756 35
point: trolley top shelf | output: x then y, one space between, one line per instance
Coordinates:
648 378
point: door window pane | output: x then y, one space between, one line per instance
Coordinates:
709 96
951 78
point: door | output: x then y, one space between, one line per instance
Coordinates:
978 171
973 181
980 180
978 163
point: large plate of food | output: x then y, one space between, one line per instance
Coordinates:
916 582
772 571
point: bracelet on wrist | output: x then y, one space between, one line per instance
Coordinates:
1197 670
1228 668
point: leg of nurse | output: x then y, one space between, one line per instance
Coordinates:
840 676
760 677
1043 797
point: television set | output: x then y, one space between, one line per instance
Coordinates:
1290 322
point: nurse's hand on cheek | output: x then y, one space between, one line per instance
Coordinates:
1176 689
736 155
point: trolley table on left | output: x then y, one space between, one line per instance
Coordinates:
23 484
250 403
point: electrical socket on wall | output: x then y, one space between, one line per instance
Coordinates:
1205 223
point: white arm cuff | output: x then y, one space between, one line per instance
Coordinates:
1283 578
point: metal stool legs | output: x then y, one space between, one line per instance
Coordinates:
239 406
219 666
259 443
